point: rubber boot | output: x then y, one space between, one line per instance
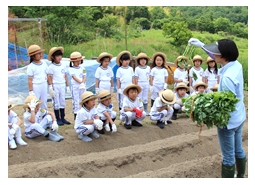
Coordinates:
51 137
240 167
59 122
152 102
146 109
174 116
62 115
227 171
74 115
160 124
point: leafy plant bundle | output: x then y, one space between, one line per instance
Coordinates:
194 76
189 53
210 108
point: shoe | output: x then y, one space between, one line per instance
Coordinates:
169 122
84 138
227 171
74 115
12 144
174 116
146 109
57 134
152 102
62 115
52 137
160 124
127 126
137 124
59 122
100 131
94 134
20 141
241 167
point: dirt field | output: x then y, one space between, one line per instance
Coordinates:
144 152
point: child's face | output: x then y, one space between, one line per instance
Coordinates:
214 90
132 94
159 61
212 64
107 102
197 63
37 57
105 62
90 104
201 89
181 92
9 112
57 59
125 62
142 61
76 63
37 108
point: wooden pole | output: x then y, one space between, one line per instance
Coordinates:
39 26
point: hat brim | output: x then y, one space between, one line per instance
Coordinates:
87 99
53 51
166 102
132 86
199 84
105 55
212 48
209 61
111 95
26 106
76 60
12 105
178 87
42 50
161 54
137 58
120 54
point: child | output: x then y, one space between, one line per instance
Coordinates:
78 80
142 78
180 92
36 120
124 75
14 129
57 81
37 72
211 74
132 109
158 75
161 110
199 71
87 119
105 112
104 74
180 74
215 88
199 88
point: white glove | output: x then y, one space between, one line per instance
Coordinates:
191 89
32 104
107 128
114 128
82 86
165 86
99 124
14 129
185 81
52 92
54 126
119 91
169 108
179 101
207 89
31 93
151 89
183 108
196 42
68 90
165 121
97 90
112 90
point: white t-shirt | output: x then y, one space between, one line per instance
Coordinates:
199 72
125 74
159 75
38 72
104 74
57 71
128 103
11 116
177 96
101 109
142 73
38 117
84 115
157 105
180 75
78 72
211 76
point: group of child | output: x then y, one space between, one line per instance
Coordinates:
132 93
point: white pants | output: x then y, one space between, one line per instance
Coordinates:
156 89
76 96
113 115
85 129
145 91
104 85
178 107
59 101
37 129
40 91
16 135
128 117
159 116
121 96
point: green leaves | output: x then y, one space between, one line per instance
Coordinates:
194 76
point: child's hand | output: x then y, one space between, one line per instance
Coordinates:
31 93
97 90
138 112
112 90
14 129
33 104
119 91
68 90
99 124
179 101
51 91
185 81
114 128
82 86
107 128
54 126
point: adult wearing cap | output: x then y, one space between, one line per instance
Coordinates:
226 53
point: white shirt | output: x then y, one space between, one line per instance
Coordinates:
38 72
84 115
101 109
104 74
125 74
177 96
78 72
142 73
159 75
128 103
211 76
199 72
38 117
180 75
11 116
157 105
57 71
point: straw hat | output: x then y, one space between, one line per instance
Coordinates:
120 54
167 96
53 50
159 53
181 57
10 106
75 56
215 87
142 55
139 89
34 49
28 100
199 84
104 95
198 57
102 55
209 59
181 85
86 96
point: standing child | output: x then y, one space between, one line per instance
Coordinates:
142 78
14 129
37 73
78 81
87 119
215 88
211 74
58 82
124 75
104 74
105 112
158 76
161 110
199 72
132 109
180 74
199 88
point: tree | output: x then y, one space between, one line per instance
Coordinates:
143 22
202 24
178 31
222 24
137 12
108 25
157 13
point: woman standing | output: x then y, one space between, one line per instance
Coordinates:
226 53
